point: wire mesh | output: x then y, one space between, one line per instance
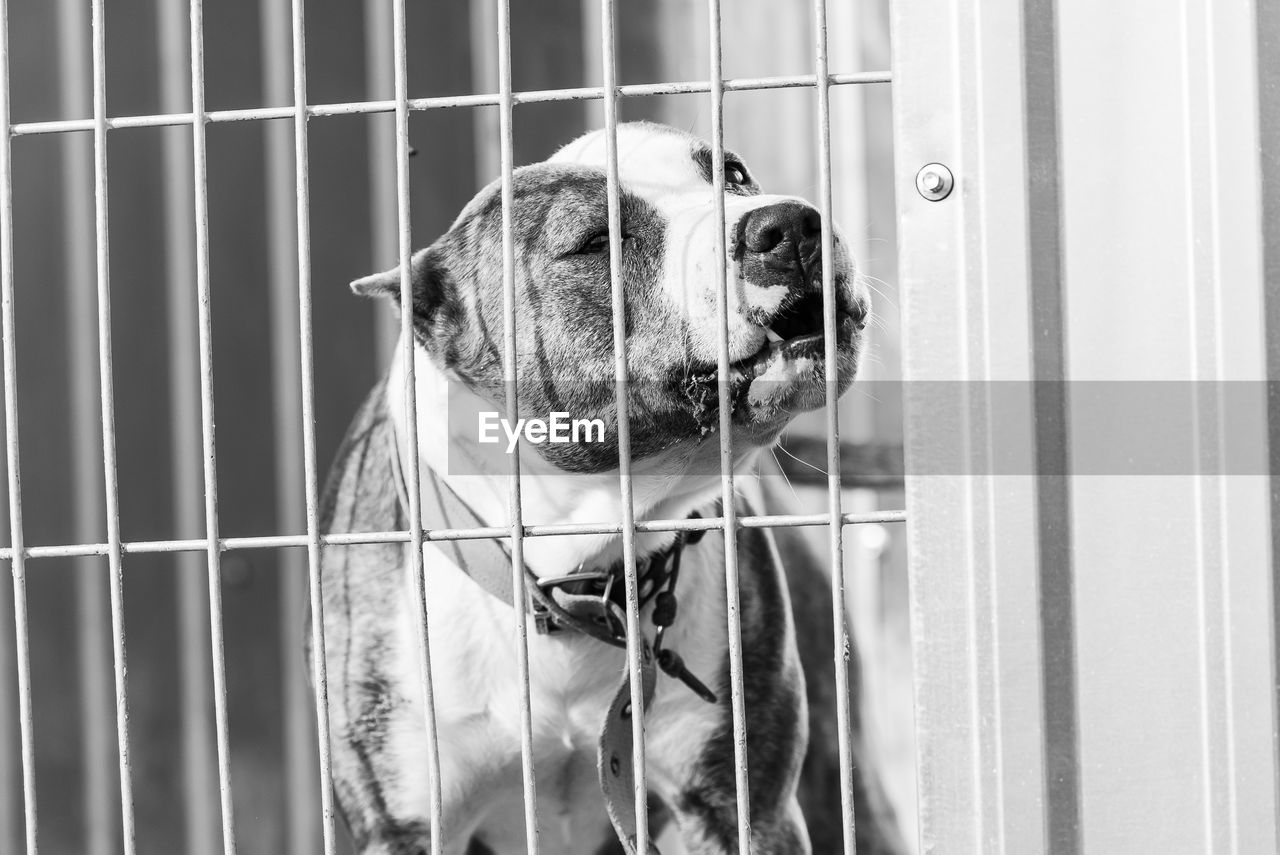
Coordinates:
294 388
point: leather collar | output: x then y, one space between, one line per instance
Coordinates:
590 602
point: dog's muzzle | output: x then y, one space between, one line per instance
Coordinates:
780 261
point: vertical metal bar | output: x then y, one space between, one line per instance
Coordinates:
635 639
303 192
985 709
1267 51
1236 629
300 766
840 620
91 582
103 256
199 762
1200 123
10 754
515 510
11 444
741 781
213 554
1048 320
405 246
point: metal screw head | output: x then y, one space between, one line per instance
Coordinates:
934 181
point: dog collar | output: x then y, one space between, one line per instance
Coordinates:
590 602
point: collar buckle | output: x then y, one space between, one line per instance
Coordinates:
544 621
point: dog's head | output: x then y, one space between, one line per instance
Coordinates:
564 322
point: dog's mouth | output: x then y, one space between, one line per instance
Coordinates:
795 333
786 374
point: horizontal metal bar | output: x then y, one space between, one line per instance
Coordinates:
280 541
353 108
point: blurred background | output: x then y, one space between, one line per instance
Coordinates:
248 63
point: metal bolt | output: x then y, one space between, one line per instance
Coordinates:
934 181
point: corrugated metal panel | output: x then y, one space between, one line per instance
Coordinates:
1116 245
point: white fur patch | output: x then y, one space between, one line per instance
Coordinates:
658 166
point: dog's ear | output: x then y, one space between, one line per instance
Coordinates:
427 280
439 318
385 284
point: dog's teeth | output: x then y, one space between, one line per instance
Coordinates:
773 336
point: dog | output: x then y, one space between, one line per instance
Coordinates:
577 664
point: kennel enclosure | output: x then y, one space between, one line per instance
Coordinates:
1092 635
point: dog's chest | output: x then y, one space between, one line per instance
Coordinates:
478 690
572 679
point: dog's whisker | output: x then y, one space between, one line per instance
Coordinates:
785 477
873 284
869 395
805 463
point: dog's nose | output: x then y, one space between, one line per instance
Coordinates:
785 236
784 222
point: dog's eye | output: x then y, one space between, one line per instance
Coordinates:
597 244
735 174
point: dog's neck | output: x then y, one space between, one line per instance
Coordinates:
662 487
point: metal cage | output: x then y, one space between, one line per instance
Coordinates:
1093 642
204 547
